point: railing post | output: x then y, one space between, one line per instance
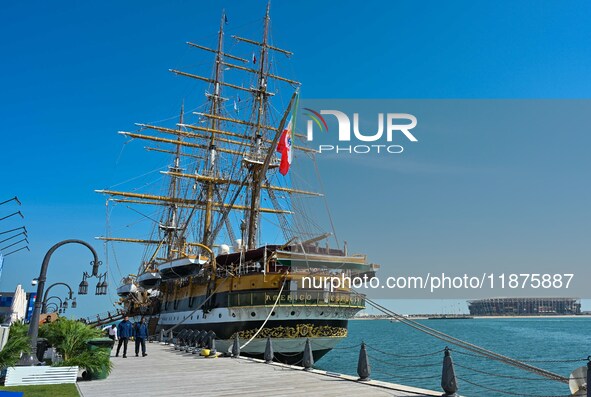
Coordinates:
236 347
308 359
161 335
170 337
269 351
589 376
363 368
449 383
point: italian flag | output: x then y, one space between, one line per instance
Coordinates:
284 147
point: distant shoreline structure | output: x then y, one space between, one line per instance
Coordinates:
502 308
525 306
459 317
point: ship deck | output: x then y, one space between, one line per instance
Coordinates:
167 372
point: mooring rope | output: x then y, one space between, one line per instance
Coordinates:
268 316
468 346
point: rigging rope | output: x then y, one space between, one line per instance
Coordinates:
438 352
268 316
497 375
508 392
468 346
390 363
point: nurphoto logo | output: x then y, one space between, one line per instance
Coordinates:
393 125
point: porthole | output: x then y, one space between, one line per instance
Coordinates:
321 313
293 313
253 314
272 313
220 315
233 314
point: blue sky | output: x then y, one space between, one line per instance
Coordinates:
74 73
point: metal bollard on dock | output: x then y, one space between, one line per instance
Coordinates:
269 351
308 360
236 347
212 350
449 383
363 368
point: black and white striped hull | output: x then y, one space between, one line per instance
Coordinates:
288 327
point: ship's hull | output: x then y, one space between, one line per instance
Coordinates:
288 327
255 305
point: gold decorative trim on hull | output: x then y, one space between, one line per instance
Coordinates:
299 331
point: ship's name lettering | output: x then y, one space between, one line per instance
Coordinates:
341 299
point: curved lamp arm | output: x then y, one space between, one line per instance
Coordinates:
34 323
45 297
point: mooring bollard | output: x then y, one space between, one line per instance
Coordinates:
363 368
210 338
197 341
179 340
188 339
161 336
236 346
201 339
169 337
212 350
449 383
269 351
308 360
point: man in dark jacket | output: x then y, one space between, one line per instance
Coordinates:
125 331
140 333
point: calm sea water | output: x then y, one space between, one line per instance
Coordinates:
534 339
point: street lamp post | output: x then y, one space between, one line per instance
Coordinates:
60 306
45 299
31 359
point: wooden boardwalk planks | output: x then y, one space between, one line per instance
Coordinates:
167 372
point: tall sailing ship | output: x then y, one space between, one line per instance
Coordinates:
227 174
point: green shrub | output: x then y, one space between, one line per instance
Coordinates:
18 342
69 337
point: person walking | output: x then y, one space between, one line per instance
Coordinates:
124 331
140 333
112 332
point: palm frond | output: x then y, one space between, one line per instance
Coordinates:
18 342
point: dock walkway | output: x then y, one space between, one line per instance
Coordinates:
167 372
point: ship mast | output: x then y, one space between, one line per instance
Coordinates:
171 226
250 141
215 100
258 174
